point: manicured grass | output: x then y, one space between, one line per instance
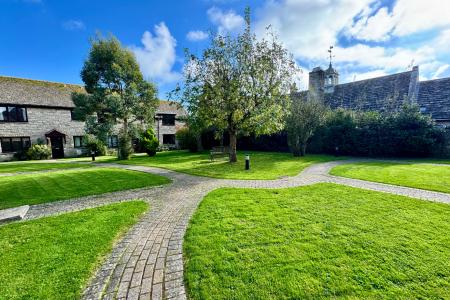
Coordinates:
54 257
104 158
416 175
263 165
46 187
314 242
28 166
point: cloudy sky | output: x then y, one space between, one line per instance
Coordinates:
49 39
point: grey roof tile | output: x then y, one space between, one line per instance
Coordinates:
434 98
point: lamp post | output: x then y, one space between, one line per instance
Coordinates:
247 161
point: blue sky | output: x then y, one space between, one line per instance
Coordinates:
49 39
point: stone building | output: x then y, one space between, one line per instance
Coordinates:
382 93
33 111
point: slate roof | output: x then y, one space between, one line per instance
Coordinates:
30 92
434 98
36 92
390 92
381 93
171 107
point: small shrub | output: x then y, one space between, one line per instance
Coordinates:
38 152
94 144
187 139
149 142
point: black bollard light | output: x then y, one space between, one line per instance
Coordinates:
247 161
93 155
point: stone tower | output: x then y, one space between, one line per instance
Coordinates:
316 81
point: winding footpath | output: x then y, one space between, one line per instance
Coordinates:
148 263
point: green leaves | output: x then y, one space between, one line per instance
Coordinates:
240 83
116 90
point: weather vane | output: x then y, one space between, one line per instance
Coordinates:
331 53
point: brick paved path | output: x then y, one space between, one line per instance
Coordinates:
147 263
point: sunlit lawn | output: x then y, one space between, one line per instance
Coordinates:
59 185
263 165
317 242
54 257
31 166
416 175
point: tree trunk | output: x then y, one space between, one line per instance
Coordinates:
303 149
198 137
233 156
125 143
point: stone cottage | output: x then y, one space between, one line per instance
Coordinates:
382 93
34 111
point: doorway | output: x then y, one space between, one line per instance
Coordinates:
57 140
57 147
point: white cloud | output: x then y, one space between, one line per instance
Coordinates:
197 35
157 55
226 21
355 76
73 25
441 70
375 28
308 28
407 17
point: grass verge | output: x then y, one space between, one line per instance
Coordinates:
263 165
319 241
26 166
54 257
59 185
415 175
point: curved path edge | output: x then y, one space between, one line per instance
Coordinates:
148 262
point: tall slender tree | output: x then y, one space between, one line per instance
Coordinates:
240 84
116 93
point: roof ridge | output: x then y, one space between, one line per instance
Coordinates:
39 80
368 79
437 79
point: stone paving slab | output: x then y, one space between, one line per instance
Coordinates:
13 214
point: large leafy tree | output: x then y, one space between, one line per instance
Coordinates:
240 84
116 93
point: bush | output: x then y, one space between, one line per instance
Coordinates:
406 133
94 144
187 139
38 152
149 142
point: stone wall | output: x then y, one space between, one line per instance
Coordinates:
41 121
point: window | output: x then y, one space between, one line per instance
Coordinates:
78 142
169 139
113 141
15 144
168 120
12 113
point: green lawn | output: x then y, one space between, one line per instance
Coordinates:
54 257
416 175
263 165
52 186
314 242
104 158
30 166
